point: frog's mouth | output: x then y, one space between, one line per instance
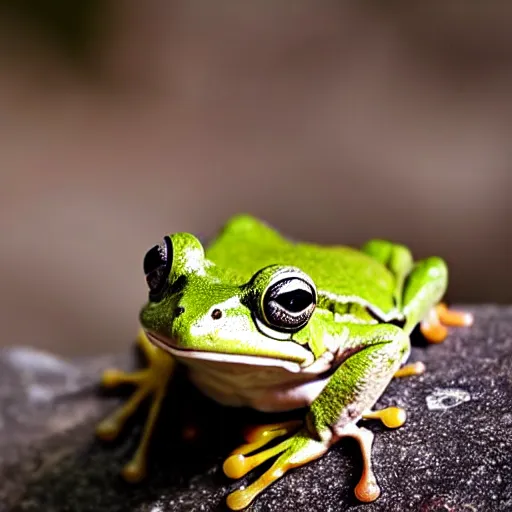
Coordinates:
306 364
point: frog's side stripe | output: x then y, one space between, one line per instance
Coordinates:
350 312
353 319
349 300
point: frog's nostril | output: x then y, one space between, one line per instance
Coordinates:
179 311
216 314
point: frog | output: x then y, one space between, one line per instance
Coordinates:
259 320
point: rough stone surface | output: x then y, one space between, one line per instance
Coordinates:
453 454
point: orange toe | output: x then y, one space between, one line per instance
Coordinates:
453 318
434 333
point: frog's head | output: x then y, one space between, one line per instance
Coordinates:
198 310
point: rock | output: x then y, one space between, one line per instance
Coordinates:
453 453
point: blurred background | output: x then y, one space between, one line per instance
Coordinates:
334 121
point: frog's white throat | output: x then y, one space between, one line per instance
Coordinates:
312 366
264 383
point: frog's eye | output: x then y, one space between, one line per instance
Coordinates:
157 266
289 302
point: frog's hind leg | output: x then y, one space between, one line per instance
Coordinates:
423 291
151 381
396 257
419 288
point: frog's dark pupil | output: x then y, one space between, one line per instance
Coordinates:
153 260
157 265
295 301
154 266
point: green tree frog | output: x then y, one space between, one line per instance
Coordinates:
263 322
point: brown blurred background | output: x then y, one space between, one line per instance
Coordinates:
334 121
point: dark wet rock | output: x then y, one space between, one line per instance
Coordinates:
454 453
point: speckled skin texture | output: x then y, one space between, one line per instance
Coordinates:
246 245
455 458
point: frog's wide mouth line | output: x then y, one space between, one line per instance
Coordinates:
222 357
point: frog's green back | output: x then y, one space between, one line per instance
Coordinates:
245 245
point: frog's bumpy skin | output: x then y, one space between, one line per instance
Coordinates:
363 298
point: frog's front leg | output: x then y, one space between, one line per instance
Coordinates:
371 356
151 381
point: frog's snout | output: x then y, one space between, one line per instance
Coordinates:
184 322
190 327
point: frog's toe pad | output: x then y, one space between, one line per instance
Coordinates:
108 430
433 332
112 378
408 370
367 490
134 471
391 417
235 466
452 318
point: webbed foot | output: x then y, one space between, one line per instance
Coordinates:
293 452
434 326
298 450
151 381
